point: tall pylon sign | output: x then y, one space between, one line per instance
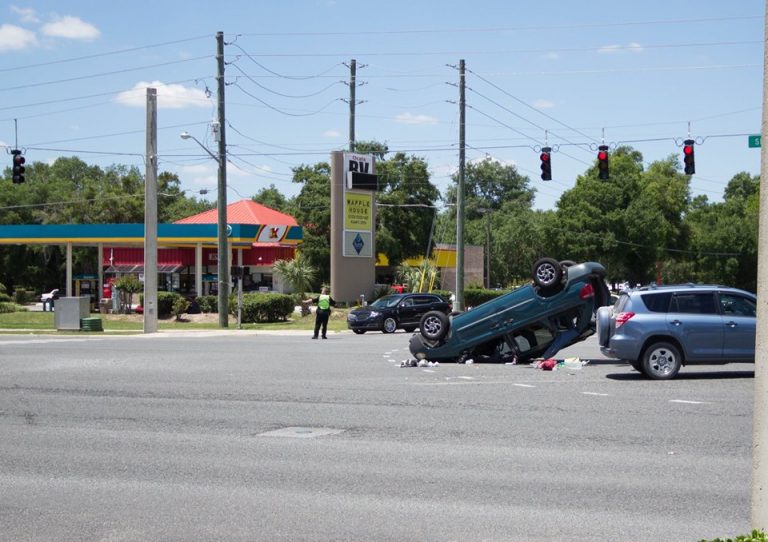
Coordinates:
353 221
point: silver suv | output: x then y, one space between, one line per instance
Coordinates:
657 329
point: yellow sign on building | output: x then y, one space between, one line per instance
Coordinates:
358 214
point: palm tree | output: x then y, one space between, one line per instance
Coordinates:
297 273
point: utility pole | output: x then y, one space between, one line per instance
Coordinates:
759 419
223 247
459 304
150 217
352 85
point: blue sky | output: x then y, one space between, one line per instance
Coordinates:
74 74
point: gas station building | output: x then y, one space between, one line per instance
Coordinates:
187 255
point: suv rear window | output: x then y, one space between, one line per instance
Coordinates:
657 302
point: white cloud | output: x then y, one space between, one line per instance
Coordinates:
552 56
168 96
332 133
27 15
543 104
14 38
71 28
410 118
635 47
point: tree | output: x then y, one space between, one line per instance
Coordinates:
312 209
405 207
272 198
128 285
498 199
297 273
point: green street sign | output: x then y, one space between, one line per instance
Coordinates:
754 141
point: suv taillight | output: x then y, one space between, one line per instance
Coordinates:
586 291
622 318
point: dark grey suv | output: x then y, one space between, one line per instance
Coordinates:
658 329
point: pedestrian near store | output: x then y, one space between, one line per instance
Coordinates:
324 303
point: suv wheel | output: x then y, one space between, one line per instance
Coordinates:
390 325
662 361
547 273
434 325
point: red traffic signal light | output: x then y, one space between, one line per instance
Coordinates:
688 157
18 166
546 163
602 161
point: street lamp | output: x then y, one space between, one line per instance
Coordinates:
223 248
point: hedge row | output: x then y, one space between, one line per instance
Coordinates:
264 307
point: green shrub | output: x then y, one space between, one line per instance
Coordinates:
22 296
165 301
477 296
7 307
208 303
754 536
180 306
264 307
4 298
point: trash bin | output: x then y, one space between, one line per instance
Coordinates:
69 311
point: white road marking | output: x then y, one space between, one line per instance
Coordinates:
524 385
688 402
595 393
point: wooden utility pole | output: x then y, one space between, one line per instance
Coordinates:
223 247
150 217
460 204
759 419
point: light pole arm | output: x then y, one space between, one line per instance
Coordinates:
187 135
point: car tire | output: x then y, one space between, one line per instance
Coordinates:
390 325
567 263
661 361
603 322
434 325
547 273
358 331
637 366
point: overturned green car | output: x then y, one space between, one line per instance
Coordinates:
537 320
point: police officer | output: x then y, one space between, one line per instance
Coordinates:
324 303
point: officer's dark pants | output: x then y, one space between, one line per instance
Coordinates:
321 319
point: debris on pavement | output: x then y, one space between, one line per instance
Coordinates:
418 363
570 364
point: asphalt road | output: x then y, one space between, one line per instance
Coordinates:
243 436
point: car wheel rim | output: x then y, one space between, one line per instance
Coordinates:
389 325
432 326
546 273
662 361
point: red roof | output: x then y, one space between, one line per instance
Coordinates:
245 211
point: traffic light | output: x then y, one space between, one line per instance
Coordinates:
688 158
546 164
18 166
602 161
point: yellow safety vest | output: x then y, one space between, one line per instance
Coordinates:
324 302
